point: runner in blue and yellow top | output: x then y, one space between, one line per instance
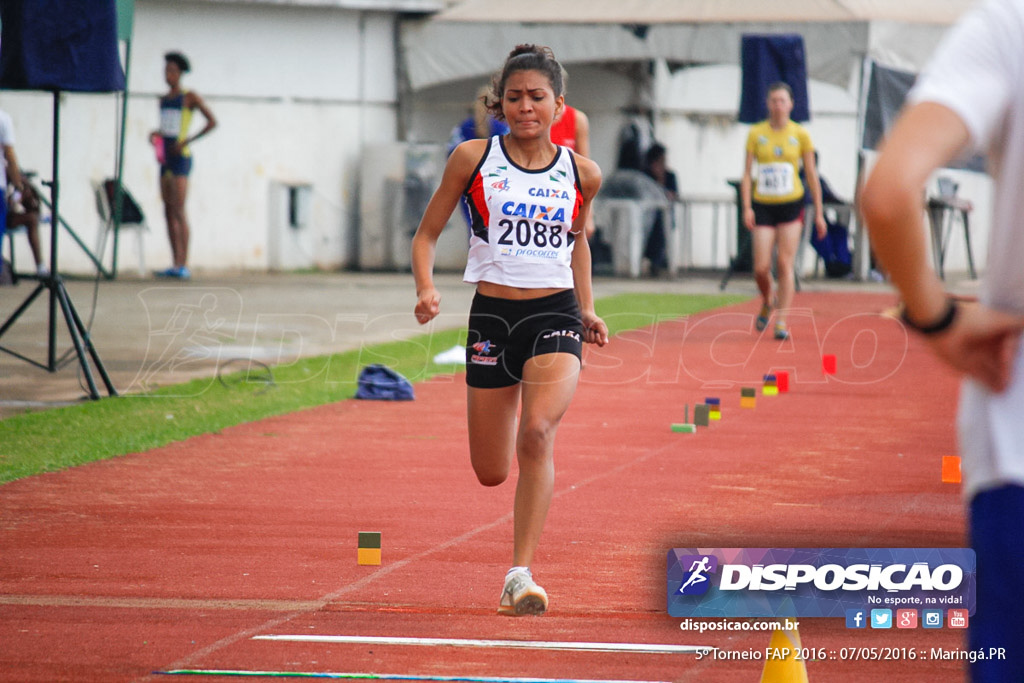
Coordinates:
773 204
172 142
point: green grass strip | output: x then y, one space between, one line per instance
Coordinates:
58 438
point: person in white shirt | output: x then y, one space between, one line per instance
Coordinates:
968 99
9 171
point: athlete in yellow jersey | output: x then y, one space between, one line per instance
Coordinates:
773 200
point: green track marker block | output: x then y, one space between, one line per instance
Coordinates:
701 415
369 539
748 392
684 428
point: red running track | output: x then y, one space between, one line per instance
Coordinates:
176 558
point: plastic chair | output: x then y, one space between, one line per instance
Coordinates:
943 212
132 218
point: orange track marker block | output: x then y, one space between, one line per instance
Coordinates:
950 469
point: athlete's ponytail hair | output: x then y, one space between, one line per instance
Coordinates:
525 58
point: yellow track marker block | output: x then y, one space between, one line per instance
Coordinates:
368 556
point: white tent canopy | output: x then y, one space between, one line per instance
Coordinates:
474 36
705 11
446 53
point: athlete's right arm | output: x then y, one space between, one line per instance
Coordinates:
457 172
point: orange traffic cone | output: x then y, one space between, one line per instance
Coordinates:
781 664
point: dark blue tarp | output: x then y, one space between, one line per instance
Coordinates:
768 59
60 45
887 91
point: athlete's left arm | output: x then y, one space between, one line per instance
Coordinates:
194 101
814 183
594 329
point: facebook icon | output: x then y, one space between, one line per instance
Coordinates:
856 618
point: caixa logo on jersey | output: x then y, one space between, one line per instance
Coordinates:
816 582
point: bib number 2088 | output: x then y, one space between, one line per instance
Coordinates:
537 234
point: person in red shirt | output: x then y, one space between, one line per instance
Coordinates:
572 130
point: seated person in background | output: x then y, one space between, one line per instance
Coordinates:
10 173
657 168
23 210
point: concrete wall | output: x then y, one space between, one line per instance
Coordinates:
298 92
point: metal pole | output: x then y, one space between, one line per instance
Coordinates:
51 358
862 247
119 170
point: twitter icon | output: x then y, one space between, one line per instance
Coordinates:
881 618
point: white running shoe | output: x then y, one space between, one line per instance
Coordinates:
521 595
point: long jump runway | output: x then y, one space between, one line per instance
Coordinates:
234 554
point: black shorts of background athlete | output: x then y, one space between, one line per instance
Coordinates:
777 214
505 333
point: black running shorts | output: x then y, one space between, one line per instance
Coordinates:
505 333
775 215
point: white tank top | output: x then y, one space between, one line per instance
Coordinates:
522 220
